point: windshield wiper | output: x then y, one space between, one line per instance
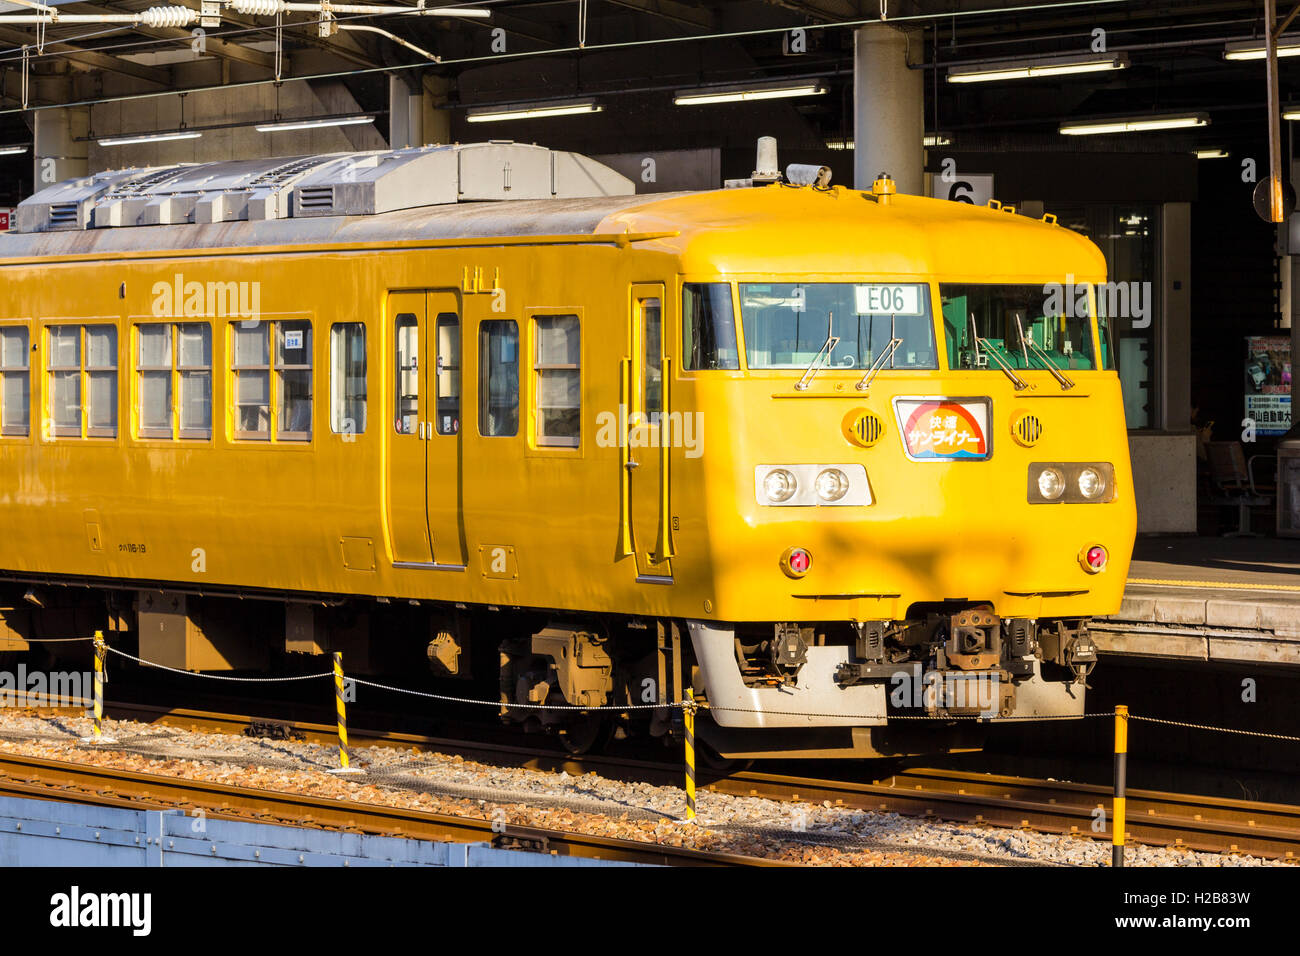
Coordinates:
811 371
878 364
1030 345
1002 363
982 359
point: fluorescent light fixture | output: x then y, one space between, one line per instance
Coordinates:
282 126
149 138
745 93
1212 154
929 140
1291 113
1041 66
1254 49
494 114
1134 124
13 150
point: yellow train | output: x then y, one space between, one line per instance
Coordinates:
828 456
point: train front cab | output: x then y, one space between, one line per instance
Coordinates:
931 497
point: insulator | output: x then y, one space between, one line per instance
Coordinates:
168 17
258 8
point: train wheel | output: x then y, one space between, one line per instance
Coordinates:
585 733
718 764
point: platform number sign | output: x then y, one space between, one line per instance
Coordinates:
973 188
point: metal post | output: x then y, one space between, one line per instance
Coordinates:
342 712
688 715
1276 212
1121 783
97 704
99 684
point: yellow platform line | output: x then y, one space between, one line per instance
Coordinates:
1226 585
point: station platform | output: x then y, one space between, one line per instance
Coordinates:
1224 600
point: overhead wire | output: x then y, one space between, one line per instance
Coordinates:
615 45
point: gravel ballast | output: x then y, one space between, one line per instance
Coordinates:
803 833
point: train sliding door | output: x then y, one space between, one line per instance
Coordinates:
648 436
407 517
425 511
445 482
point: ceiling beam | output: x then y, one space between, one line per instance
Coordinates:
686 13
93 58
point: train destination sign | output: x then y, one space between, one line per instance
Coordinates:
888 299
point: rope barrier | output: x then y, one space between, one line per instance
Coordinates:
511 704
246 680
54 640
689 707
1218 730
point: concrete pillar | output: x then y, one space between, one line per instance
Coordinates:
1175 329
418 117
57 154
437 118
888 109
405 113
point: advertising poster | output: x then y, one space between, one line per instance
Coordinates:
1268 383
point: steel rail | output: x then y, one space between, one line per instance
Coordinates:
1156 818
25 776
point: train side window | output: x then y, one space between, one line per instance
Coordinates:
194 373
174 380
448 391
498 382
708 327
653 347
101 381
64 367
293 380
558 391
407 366
15 381
154 378
348 378
251 365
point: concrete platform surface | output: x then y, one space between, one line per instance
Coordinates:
1225 600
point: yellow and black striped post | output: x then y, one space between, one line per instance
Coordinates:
342 711
688 717
99 685
1121 783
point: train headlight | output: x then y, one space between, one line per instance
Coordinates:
832 485
826 485
1091 483
780 485
1051 483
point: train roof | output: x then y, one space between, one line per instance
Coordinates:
509 190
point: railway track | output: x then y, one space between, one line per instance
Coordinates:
33 777
1210 824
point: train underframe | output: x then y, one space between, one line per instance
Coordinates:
778 689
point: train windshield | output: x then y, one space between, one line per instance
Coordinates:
1025 326
788 324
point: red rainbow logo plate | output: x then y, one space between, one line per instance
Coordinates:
944 429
